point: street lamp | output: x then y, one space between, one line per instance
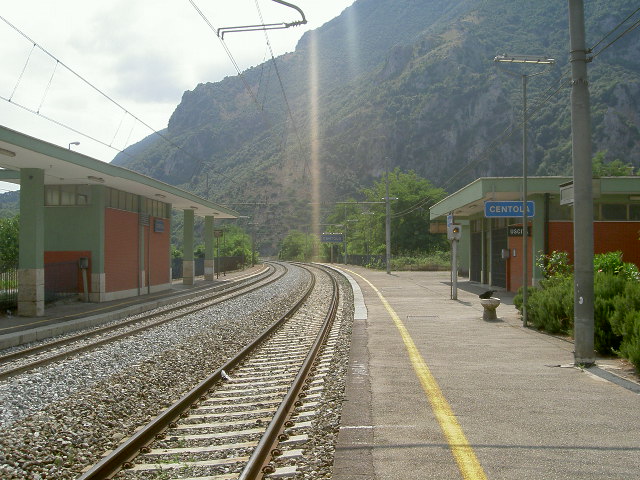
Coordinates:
536 60
73 143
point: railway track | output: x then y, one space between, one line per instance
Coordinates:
23 360
245 420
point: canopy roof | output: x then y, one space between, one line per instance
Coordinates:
64 166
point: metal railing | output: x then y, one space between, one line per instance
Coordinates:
221 264
9 289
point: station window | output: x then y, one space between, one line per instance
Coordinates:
121 200
634 212
613 211
155 208
133 203
66 195
560 212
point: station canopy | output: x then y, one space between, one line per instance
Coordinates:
63 166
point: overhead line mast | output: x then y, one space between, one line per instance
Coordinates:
265 26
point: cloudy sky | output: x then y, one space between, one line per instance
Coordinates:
138 54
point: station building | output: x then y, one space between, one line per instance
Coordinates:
111 223
490 249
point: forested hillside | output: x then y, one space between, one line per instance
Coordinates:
399 83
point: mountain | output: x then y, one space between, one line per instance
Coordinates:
407 83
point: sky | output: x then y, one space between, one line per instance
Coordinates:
137 57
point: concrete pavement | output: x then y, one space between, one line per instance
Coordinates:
435 392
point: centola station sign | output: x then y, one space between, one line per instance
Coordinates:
508 209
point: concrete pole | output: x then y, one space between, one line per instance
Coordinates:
188 266
388 225
454 269
525 219
344 238
209 256
582 185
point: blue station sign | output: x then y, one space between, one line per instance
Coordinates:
331 237
508 209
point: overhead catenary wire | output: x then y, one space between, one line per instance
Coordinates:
510 130
93 87
613 30
46 90
228 52
632 27
26 63
284 93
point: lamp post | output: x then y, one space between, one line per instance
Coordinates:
536 60
73 143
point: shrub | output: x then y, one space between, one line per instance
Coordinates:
556 264
433 261
550 307
625 322
630 345
607 289
616 303
611 262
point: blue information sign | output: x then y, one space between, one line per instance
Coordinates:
331 237
508 209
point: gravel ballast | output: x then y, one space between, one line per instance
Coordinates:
57 420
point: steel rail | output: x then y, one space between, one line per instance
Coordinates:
258 463
121 457
67 353
220 289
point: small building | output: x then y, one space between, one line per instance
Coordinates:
111 223
490 249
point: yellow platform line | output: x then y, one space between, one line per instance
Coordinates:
465 457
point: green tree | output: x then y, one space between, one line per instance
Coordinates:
615 168
409 216
297 246
9 232
235 242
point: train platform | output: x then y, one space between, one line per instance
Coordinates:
72 314
436 392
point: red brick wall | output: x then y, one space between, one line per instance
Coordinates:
120 250
607 237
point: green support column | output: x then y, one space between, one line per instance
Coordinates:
464 247
97 206
209 257
188 265
31 259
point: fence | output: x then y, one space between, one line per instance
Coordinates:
221 264
9 289
367 260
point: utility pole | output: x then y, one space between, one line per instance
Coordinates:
388 224
583 318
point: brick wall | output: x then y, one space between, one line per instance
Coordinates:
607 237
120 250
